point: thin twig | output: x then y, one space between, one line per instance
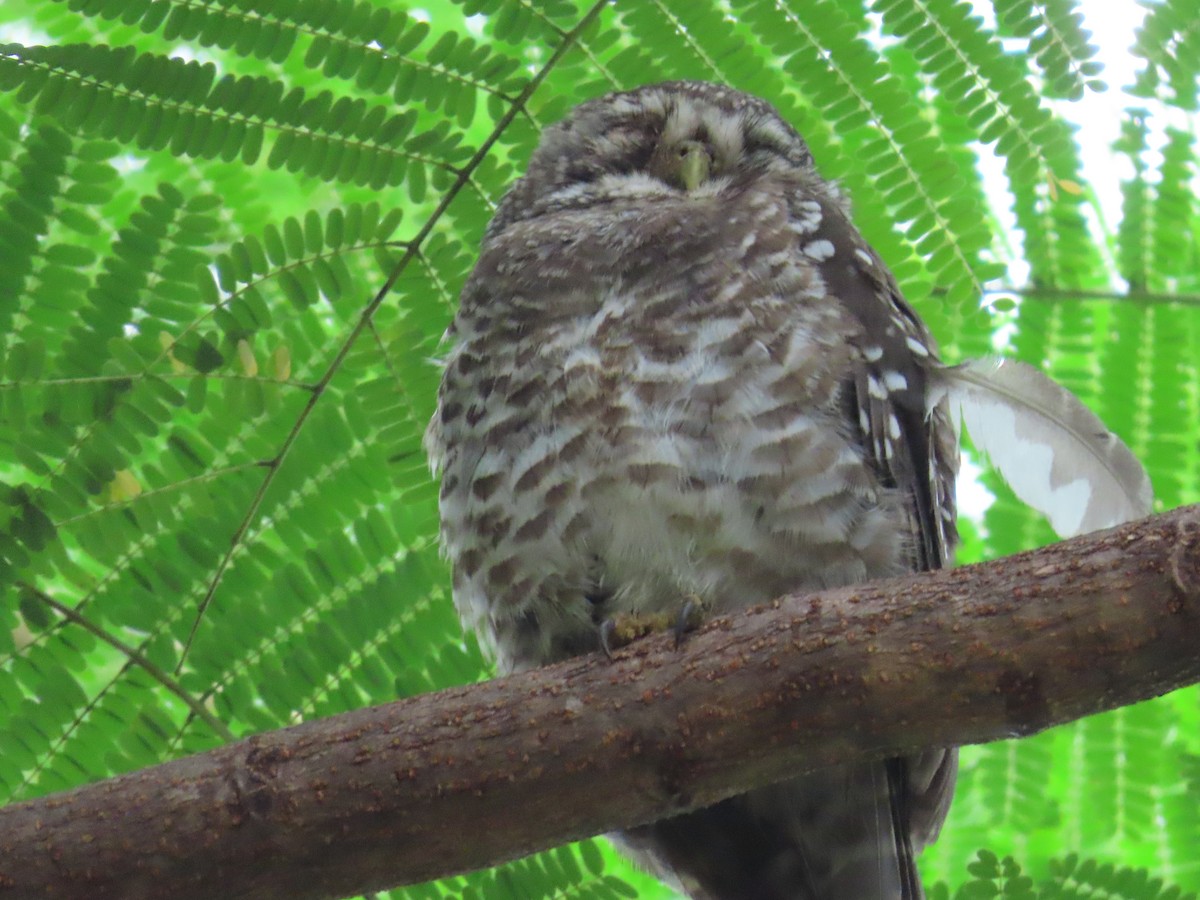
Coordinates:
136 658
462 178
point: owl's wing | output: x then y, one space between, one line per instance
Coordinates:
913 450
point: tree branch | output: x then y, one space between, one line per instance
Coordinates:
471 776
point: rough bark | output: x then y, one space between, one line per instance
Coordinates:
472 776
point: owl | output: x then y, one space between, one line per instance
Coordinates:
679 376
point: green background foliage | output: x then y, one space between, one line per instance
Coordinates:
211 413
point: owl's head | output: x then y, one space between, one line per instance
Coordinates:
671 138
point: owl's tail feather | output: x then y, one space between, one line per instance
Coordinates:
838 834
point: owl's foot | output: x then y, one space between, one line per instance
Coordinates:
625 628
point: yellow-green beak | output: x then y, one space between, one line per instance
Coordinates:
695 164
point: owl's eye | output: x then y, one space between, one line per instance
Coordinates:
758 142
581 172
626 147
641 154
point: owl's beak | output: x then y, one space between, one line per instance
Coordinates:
695 164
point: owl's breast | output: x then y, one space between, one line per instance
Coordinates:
722 463
643 432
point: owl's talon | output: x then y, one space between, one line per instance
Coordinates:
681 623
691 614
625 628
608 630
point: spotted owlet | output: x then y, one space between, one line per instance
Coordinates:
678 371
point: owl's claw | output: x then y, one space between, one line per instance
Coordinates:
625 628
684 623
691 615
608 630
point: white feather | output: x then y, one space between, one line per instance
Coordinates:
1053 451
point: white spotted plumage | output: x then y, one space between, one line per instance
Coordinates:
664 385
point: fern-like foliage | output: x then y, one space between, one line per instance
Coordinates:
1068 879
232 233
